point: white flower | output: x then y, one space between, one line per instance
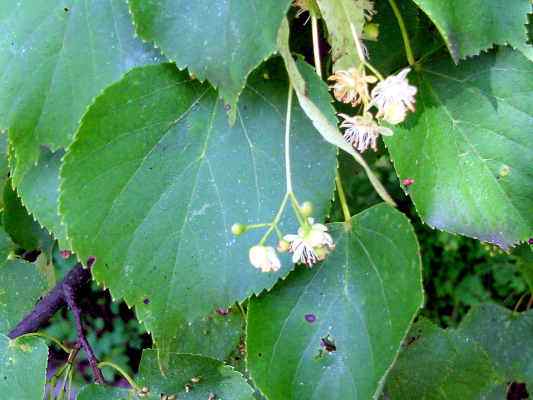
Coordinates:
311 244
264 258
393 97
362 131
351 86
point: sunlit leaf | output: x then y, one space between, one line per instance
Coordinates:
333 331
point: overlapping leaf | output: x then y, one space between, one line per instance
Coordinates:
507 338
22 368
438 364
491 347
55 56
333 331
39 188
21 286
468 147
189 376
157 177
468 27
217 40
19 224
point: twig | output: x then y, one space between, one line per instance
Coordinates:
70 298
77 278
64 293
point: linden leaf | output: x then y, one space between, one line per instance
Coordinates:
468 27
22 368
333 331
156 177
217 40
189 376
20 225
441 364
55 56
468 148
491 347
39 191
21 286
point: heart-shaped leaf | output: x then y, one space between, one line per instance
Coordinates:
55 56
468 27
156 178
218 40
333 331
468 147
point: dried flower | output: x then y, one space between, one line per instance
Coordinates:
393 97
362 131
312 244
264 258
351 86
368 8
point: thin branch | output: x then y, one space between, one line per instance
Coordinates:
70 297
51 303
64 293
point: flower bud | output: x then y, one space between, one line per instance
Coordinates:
283 246
238 229
306 209
371 31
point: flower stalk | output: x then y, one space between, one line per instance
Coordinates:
405 35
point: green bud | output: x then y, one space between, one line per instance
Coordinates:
238 229
306 209
371 32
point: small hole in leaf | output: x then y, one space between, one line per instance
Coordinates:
146 301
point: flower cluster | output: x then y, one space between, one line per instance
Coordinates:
311 244
393 97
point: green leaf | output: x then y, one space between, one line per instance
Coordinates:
6 246
468 147
215 335
20 225
491 347
156 178
39 191
439 364
506 337
218 40
102 392
339 16
21 286
362 299
212 376
22 368
188 376
468 27
55 56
